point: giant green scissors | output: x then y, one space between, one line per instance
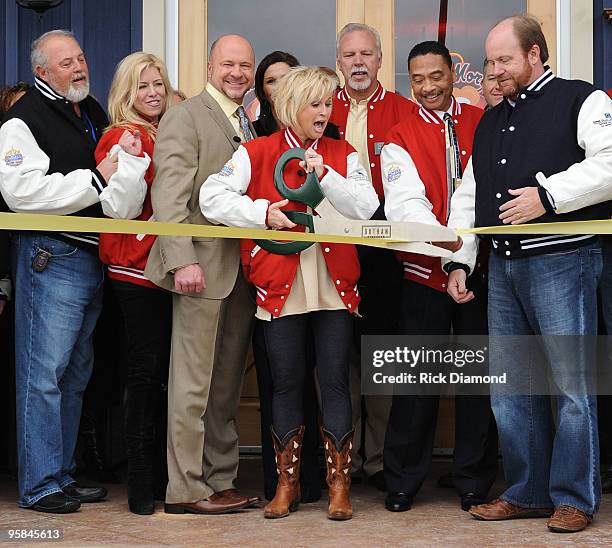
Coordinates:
405 236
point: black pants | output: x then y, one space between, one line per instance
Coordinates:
379 285
309 476
412 422
147 316
286 339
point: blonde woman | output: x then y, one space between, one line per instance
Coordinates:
137 100
315 289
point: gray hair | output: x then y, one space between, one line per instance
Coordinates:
352 27
37 55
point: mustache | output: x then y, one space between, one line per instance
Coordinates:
357 69
78 76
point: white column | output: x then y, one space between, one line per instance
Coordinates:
172 40
564 38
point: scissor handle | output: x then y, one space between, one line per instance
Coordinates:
309 193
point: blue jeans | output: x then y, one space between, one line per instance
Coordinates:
56 311
549 294
605 285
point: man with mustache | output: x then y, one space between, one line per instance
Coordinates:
364 111
422 165
543 154
212 308
47 165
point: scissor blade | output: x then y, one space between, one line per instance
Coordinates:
421 248
398 232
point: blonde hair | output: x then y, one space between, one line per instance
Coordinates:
299 87
124 90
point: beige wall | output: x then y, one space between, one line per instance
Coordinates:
546 12
193 40
581 45
153 28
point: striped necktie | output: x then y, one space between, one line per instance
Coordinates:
453 158
244 123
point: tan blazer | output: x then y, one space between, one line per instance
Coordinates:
194 139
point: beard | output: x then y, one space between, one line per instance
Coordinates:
512 85
360 86
76 94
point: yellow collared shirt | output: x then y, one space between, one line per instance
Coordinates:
357 130
228 107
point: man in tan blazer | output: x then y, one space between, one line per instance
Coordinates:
212 307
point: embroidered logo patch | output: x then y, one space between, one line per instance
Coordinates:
360 176
13 157
394 173
227 169
605 121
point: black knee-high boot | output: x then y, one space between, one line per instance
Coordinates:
140 410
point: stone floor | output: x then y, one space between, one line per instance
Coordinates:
435 520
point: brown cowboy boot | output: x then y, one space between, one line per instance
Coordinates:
338 460
287 498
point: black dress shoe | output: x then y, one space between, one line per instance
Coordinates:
398 502
56 503
141 507
378 480
140 498
85 494
471 499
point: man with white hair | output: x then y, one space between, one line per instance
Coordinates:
364 111
47 165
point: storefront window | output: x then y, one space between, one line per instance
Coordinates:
468 22
307 30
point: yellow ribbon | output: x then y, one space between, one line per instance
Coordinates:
569 227
60 223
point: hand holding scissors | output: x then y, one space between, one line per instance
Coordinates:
313 162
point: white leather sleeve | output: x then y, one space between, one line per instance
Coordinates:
124 195
25 184
223 199
462 215
405 196
354 197
590 181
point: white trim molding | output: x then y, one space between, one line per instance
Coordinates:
564 50
575 39
172 40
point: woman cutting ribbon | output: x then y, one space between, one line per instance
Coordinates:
315 289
